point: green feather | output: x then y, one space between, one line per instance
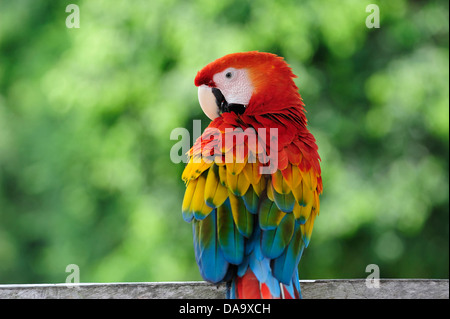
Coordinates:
251 200
230 239
275 241
285 202
241 216
269 215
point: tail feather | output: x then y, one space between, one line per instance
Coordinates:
265 292
248 287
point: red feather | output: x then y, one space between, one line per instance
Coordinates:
247 286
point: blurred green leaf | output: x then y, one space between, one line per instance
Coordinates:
86 116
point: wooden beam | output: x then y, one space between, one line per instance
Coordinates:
311 289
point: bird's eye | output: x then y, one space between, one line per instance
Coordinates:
229 75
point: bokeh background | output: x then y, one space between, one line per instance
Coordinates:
86 116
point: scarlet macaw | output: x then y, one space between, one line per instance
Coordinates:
250 227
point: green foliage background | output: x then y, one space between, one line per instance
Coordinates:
86 116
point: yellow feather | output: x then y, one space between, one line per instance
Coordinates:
296 176
270 191
251 171
194 169
308 195
307 228
314 177
297 191
237 184
198 198
279 183
198 205
287 175
200 168
219 161
188 195
242 185
235 168
317 202
260 186
186 176
223 175
296 211
215 193
231 180
305 212
310 178
248 172
305 201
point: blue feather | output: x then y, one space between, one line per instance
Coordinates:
188 215
242 268
251 242
274 285
208 254
261 268
285 265
230 239
296 283
257 251
274 242
231 290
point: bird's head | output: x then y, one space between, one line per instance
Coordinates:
248 82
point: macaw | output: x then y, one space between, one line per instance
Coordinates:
252 202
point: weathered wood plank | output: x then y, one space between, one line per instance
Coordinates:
311 289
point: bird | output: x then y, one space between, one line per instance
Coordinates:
253 178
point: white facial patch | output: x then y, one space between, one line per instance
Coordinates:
235 85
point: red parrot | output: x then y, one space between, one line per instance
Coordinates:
253 178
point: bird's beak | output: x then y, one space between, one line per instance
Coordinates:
207 101
213 102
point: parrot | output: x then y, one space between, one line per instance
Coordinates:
253 177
